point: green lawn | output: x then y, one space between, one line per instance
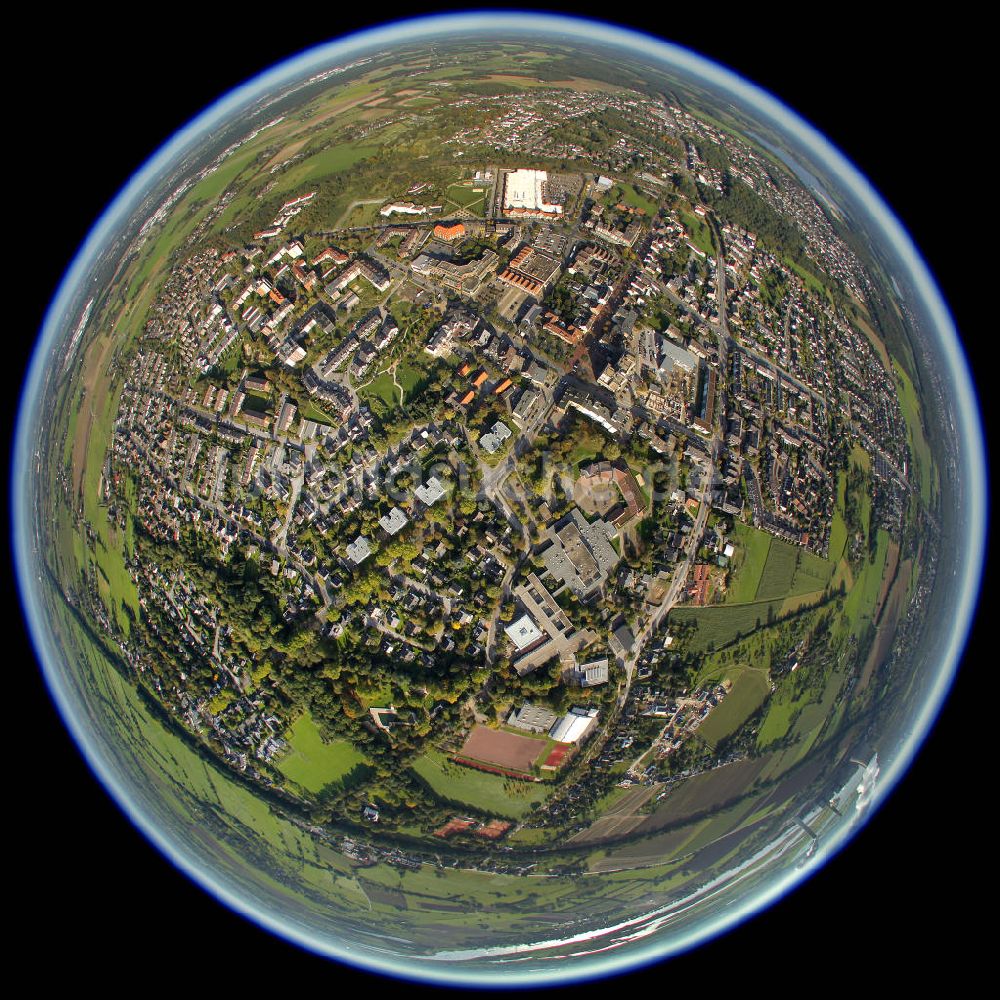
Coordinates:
838 527
310 411
314 764
381 386
466 197
701 235
491 793
752 547
748 694
412 378
925 473
627 194
812 283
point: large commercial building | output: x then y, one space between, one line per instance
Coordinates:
523 195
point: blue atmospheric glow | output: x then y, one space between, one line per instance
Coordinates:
883 225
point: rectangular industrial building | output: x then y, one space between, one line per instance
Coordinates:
532 718
523 193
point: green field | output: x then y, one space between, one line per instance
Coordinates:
490 793
752 547
801 716
812 283
628 194
812 573
790 571
859 605
466 197
919 448
323 163
314 764
778 571
749 692
722 624
700 234
310 411
216 182
838 527
412 378
382 386
419 102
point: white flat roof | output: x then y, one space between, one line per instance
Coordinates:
572 727
359 550
393 521
523 189
523 632
430 492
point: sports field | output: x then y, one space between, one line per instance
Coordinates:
492 746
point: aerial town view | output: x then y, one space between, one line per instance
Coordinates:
493 461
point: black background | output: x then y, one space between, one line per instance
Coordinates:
899 99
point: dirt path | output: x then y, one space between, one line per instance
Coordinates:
355 204
283 154
395 381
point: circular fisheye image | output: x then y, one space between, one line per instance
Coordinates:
498 500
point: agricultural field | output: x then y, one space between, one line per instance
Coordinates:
314 764
838 527
791 571
861 600
778 571
717 626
